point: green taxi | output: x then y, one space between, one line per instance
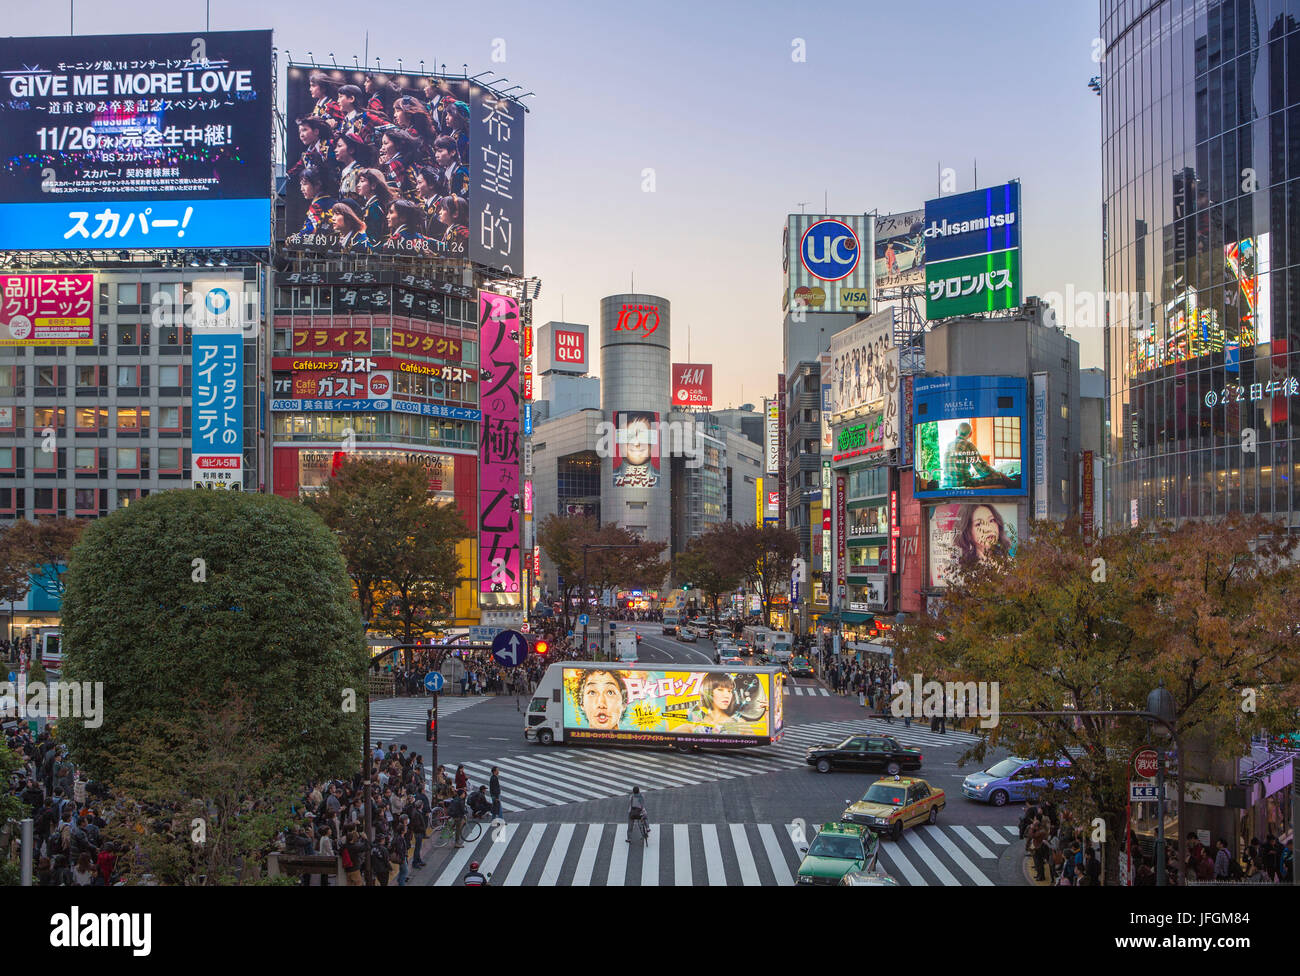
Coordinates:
838 849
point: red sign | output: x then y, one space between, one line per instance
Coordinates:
692 384
842 527
422 344
893 532
569 348
218 462
528 342
1087 493
638 318
331 340
1146 763
379 385
47 310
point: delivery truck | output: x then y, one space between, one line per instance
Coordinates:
625 646
685 708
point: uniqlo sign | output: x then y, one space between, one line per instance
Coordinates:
692 384
570 348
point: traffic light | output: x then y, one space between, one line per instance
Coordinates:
542 647
431 729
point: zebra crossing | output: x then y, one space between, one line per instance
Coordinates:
542 777
391 717
712 854
812 690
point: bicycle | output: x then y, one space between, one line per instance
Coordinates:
643 823
444 829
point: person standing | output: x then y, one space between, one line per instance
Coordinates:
456 809
325 848
494 790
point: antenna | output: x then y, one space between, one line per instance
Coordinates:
975 165
801 204
826 207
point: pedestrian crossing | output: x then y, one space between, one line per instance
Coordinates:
812 690
392 717
542 777
708 854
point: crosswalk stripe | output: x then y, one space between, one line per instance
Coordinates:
913 840
653 772
618 858
713 855
1013 831
528 789
971 841
587 859
744 856
775 858
996 837
497 848
551 872
650 859
536 774
524 857
899 864
600 768
574 775
682 856
455 868
962 861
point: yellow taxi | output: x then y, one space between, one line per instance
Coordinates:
895 802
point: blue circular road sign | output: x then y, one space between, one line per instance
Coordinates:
433 682
509 648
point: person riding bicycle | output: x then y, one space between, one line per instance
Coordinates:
473 878
636 812
479 804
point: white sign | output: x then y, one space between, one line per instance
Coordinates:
483 633
1140 791
864 363
1040 446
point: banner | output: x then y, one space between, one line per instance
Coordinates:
900 249
136 141
217 406
692 385
499 458
1040 445
963 535
47 310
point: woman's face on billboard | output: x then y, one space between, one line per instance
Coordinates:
985 530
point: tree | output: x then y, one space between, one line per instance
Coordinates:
188 593
574 544
561 538
707 564
36 554
1208 609
761 554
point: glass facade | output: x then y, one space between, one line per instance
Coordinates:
1201 213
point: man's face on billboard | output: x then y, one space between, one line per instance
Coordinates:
637 446
602 700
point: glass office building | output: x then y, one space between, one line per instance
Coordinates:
1201 212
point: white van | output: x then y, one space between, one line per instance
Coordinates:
780 646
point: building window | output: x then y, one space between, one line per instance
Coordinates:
6 459
86 458
128 460
7 501
87 376
132 418
9 380
128 335
88 418
43 501
43 417
86 501
47 377
128 376
1006 437
169 376
169 418
169 460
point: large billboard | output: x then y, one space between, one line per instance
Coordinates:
47 310
636 449
564 347
972 252
653 706
500 508
400 164
827 262
969 435
125 141
900 249
964 535
692 385
217 391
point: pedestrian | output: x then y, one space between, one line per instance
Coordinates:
1221 860
494 790
462 778
456 810
325 848
354 853
399 848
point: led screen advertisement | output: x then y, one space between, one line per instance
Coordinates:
396 164
128 141
972 252
47 310
969 436
635 460
964 534
654 706
500 510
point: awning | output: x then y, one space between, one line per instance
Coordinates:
849 617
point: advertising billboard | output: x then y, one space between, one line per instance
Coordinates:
562 346
963 535
124 141
635 457
972 252
402 164
217 406
47 310
499 564
900 249
1040 445
633 705
826 262
969 435
692 385
772 435
862 370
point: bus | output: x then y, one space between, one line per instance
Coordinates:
683 707
47 644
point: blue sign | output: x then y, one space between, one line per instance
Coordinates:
978 222
217 400
971 436
433 682
509 648
528 420
582 620
830 250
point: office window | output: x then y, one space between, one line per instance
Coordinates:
47 377
45 460
169 376
87 459
86 500
87 376
128 335
128 459
169 418
128 376
169 459
6 458
43 417
132 418
9 380
43 501
87 418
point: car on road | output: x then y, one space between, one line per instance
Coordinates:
1016 779
687 637
801 667
837 850
896 802
733 661
865 753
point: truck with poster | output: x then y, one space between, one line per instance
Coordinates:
625 646
599 704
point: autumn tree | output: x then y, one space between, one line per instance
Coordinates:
609 556
760 554
1207 609
708 565
35 553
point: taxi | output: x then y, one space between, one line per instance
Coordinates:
838 849
895 802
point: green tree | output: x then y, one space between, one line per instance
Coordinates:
35 553
708 564
561 538
188 593
577 544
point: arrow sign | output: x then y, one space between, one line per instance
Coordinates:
433 682
509 648
582 620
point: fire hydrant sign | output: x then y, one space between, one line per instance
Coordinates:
1145 763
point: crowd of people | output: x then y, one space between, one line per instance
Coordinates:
383 166
1057 848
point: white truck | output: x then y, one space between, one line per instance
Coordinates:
676 706
625 646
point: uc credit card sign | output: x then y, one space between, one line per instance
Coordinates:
135 141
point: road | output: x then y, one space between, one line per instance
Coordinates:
720 818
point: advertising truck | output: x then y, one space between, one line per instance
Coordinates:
625 646
612 705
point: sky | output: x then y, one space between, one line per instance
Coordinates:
708 96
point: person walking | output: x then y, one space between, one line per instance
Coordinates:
494 791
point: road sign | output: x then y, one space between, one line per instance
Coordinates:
12 677
594 647
1145 763
583 620
524 628
509 648
483 633
433 682
1140 791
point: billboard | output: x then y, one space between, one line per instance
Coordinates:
633 705
826 265
563 346
963 535
1040 445
636 449
47 310
972 252
772 435
448 153
123 141
969 435
217 404
900 249
499 564
692 384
